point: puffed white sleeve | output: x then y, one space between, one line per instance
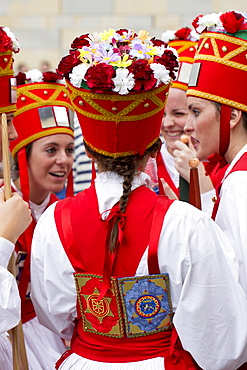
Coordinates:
211 309
10 309
53 290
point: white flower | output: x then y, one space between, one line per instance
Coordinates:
168 36
194 36
16 44
78 74
34 75
160 73
124 81
209 21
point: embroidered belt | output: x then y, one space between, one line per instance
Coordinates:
133 307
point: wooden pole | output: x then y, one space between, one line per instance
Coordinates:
16 333
194 194
184 185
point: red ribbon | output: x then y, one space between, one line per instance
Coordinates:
110 256
214 160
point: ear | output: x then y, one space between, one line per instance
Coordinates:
89 155
236 116
154 154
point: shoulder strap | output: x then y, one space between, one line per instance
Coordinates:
161 208
63 222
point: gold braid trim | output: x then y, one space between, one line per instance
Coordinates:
228 63
118 154
30 139
122 115
183 46
186 59
179 85
8 70
218 99
40 102
9 108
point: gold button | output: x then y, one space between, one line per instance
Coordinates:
191 49
214 199
65 95
45 92
80 102
206 46
5 60
114 109
23 98
224 48
146 105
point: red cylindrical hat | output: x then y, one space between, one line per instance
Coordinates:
185 41
8 45
219 72
43 109
118 83
116 125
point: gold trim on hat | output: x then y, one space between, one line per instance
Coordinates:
8 70
39 135
9 109
26 91
118 154
122 115
217 99
213 37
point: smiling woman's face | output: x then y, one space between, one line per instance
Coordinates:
49 163
204 120
175 116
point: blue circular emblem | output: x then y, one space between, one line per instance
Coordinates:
147 306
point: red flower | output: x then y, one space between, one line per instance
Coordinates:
195 23
169 60
80 41
5 41
99 77
143 75
21 78
68 63
232 21
121 31
157 42
51 76
183 33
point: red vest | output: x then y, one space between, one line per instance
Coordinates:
83 239
240 165
23 249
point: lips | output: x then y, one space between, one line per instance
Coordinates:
59 174
174 133
194 141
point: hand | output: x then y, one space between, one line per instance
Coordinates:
167 190
183 153
15 216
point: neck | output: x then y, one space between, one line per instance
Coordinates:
237 141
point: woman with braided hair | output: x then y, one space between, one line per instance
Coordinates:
117 269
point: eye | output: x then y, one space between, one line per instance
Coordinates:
196 112
70 150
51 150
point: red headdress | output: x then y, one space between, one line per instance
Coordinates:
184 41
220 67
118 82
43 109
8 46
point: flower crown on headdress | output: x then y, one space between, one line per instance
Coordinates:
34 75
185 33
229 22
8 41
120 61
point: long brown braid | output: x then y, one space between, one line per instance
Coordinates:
125 167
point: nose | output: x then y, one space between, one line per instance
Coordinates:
167 121
188 128
12 134
62 157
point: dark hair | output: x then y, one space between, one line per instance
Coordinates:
126 167
15 164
